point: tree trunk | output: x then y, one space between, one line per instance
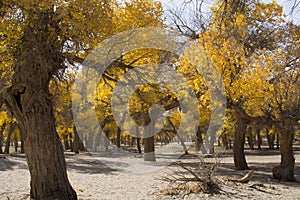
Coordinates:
138 140
285 171
118 141
149 149
183 144
198 140
16 145
250 138
77 143
238 145
22 141
258 138
270 138
66 141
30 101
8 139
2 136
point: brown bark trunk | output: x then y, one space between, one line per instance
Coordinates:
77 143
270 138
66 141
22 141
118 141
183 144
259 142
250 138
149 149
16 145
238 145
2 136
198 140
8 139
29 100
285 171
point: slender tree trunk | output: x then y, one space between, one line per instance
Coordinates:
198 140
22 141
250 138
16 145
66 141
118 141
2 136
238 145
8 139
183 144
77 143
259 142
138 140
285 171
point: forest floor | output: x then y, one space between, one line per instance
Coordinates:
129 178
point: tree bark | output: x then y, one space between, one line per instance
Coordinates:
2 136
118 141
285 171
198 140
22 141
29 100
259 142
238 145
77 143
8 139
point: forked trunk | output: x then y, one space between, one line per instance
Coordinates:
285 171
238 145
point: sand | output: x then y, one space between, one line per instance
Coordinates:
125 177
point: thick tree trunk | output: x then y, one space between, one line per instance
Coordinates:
285 171
149 149
238 145
30 101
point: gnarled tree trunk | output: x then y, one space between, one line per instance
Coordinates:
285 171
238 145
29 100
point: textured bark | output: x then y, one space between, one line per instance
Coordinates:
285 171
238 145
29 100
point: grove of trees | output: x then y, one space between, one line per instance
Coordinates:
43 44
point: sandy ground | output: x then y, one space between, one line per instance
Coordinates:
125 177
